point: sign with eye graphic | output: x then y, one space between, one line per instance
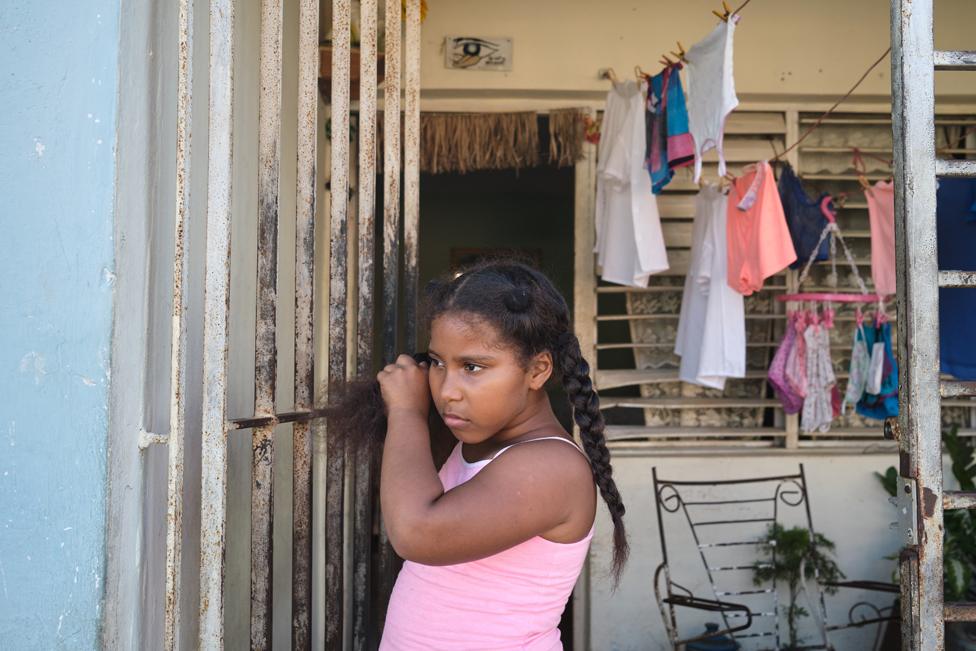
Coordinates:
478 53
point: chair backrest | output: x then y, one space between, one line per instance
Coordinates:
727 522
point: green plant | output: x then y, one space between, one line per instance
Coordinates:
959 542
789 552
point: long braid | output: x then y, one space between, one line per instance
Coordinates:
586 412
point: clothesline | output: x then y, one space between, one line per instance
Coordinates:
846 96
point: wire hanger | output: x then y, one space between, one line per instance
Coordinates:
608 73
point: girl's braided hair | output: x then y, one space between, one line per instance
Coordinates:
530 315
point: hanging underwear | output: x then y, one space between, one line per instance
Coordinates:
792 402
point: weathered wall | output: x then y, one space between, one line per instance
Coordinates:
58 137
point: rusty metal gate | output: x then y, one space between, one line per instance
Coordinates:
365 589
923 498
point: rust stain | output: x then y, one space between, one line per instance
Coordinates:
929 500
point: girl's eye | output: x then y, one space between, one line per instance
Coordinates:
435 363
472 368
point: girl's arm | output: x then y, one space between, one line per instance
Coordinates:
529 490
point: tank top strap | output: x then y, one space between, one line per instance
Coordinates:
542 438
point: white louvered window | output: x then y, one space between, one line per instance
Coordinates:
645 403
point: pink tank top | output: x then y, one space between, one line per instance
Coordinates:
510 600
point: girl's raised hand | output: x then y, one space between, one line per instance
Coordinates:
404 385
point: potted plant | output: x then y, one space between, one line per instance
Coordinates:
790 552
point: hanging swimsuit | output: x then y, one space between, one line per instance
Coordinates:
796 360
884 403
860 361
818 412
792 402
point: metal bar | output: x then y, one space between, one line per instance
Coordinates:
301 564
959 500
276 419
265 348
177 413
335 450
213 488
362 488
957 279
387 560
954 60
960 612
952 389
913 108
951 167
411 174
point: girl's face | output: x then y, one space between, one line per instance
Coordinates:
479 384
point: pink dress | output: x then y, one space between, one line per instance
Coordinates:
510 600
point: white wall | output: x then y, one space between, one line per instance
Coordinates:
848 506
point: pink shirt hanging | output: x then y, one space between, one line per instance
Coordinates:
881 212
758 238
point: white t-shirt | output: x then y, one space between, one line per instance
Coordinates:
629 241
711 336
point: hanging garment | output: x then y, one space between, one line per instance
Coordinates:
656 127
956 226
759 242
818 411
805 218
860 363
669 144
792 402
881 212
711 91
681 146
884 403
629 241
796 358
711 337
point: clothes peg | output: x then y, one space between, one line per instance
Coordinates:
680 54
727 12
639 73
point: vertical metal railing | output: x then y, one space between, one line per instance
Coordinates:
411 173
213 511
386 565
177 418
359 589
265 347
914 61
301 562
335 450
362 537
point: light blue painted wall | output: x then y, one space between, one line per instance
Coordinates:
59 63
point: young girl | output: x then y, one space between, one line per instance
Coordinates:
494 542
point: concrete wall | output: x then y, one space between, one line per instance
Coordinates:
788 47
58 176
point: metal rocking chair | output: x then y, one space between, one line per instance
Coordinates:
729 521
